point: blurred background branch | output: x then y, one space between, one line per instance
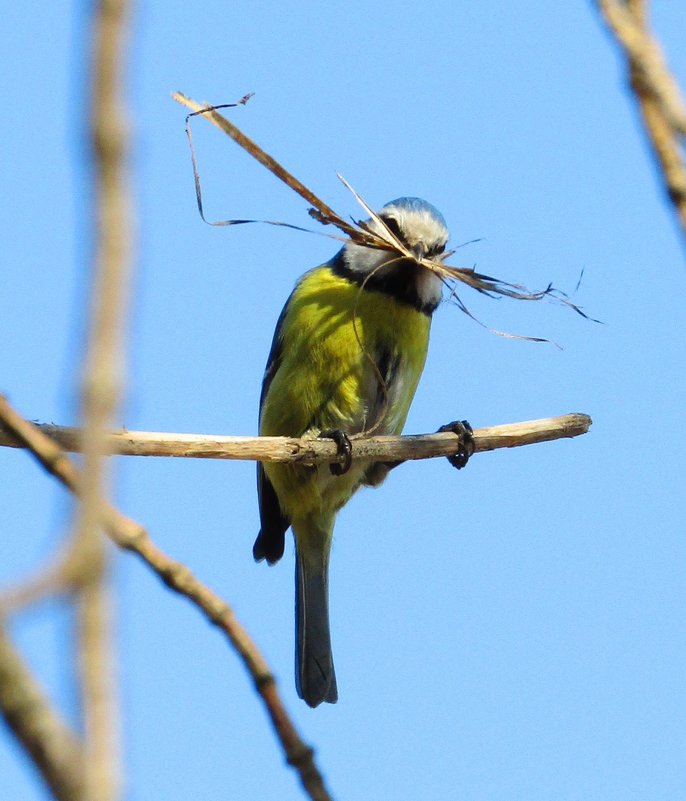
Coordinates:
43 734
130 535
84 569
102 389
657 92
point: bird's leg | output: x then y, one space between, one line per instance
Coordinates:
378 471
345 449
466 447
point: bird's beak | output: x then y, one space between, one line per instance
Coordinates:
419 251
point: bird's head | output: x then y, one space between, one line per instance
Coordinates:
422 230
417 224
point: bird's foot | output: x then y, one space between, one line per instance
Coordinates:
466 447
345 450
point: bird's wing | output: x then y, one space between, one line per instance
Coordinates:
270 541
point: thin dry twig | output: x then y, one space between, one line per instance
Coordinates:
312 451
129 534
320 210
41 732
657 92
360 232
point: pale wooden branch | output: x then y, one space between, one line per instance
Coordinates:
46 738
314 451
129 534
657 92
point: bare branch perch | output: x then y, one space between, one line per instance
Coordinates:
129 534
52 745
657 92
312 451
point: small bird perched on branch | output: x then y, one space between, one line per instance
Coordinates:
346 358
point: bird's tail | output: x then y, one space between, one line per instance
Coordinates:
315 677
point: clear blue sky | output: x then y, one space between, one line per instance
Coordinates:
514 631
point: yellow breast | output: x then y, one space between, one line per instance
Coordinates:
332 333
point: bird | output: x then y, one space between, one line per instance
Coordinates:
346 357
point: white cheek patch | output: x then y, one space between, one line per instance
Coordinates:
429 287
365 260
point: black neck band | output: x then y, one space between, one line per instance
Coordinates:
398 281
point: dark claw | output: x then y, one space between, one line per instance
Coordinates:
345 449
466 448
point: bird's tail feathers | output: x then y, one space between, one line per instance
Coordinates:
314 670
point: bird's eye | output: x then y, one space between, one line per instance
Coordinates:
392 225
436 250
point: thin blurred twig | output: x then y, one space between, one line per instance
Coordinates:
57 577
49 741
314 451
129 534
102 389
657 92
